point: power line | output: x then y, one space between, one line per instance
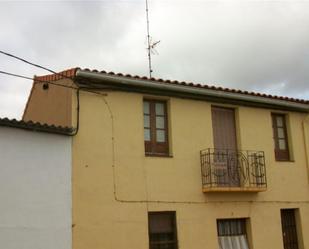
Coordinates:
28 62
50 82
44 68
33 79
33 64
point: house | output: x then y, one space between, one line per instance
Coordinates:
35 186
168 164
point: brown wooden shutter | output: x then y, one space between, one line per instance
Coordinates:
225 145
224 131
289 231
162 230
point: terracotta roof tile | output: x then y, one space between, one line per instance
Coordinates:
212 87
69 73
72 73
35 126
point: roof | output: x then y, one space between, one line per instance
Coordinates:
35 126
71 73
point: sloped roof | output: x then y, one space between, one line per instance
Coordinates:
35 126
71 73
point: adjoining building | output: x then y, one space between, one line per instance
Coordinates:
168 164
35 186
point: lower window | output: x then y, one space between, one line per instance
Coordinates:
232 234
162 230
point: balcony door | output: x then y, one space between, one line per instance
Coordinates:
226 156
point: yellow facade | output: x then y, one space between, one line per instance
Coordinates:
115 185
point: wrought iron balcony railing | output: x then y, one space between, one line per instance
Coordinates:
230 170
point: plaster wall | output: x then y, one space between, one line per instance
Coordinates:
35 190
50 106
115 184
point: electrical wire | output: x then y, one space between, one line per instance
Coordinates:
76 129
49 82
305 123
47 69
52 83
33 79
33 64
113 145
147 201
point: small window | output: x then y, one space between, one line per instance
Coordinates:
280 137
162 230
232 234
155 127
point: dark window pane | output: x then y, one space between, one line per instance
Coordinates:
231 227
162 230
161 222
282 145
146 134
279 121
159 109
160 136
146 107
280 132
160 122
147 121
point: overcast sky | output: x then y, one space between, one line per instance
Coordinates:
251 45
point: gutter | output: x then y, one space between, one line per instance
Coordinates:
190 91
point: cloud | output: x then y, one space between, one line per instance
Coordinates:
252 45
248 46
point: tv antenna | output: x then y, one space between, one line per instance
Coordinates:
150 43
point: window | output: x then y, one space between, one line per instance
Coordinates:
162 230
289 231
280 137
232 234
155 127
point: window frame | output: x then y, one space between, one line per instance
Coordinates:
153 147
280 154
172 216
224 231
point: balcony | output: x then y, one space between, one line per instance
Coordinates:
233 171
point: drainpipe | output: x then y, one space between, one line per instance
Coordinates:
305 124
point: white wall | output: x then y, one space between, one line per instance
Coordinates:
35 190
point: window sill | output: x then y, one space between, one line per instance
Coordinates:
285 161
157 155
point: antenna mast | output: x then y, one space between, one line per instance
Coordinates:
150 45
